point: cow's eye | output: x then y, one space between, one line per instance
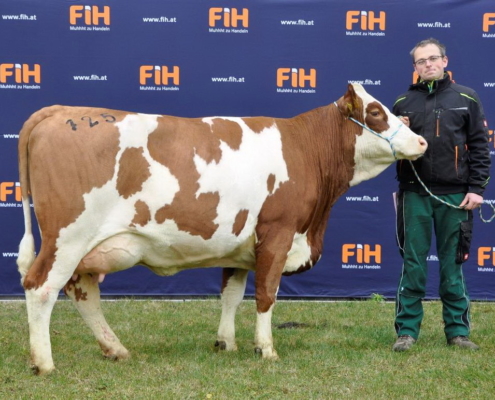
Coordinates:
375 113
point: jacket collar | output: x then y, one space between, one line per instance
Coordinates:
432 86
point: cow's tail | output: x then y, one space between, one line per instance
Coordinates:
27 253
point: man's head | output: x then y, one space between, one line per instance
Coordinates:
429 59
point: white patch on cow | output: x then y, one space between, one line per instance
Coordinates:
232 295
241 176
134 130
263 339
299 254
27 246
374 154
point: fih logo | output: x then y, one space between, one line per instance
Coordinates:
20 73
488 20
486 254
297 77
228 17
10 191
160 75
89 15
365 20
361 254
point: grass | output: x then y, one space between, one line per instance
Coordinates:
343 351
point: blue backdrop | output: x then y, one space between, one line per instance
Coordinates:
197 58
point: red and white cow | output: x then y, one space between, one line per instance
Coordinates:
113 189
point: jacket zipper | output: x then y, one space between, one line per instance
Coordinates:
456 159
437 132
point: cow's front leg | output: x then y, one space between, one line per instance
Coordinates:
263 339
233 288
84 292
271 256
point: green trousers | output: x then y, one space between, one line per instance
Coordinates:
420 216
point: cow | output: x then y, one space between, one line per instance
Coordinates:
114 189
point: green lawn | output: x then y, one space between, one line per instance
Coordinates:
343 351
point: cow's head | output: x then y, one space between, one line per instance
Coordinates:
382 138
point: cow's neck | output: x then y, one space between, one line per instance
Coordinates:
367 169
340 156
331 140
368 163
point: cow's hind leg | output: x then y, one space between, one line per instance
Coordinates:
42 284
233 288
39 304
84 292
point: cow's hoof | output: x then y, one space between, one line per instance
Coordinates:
266 353
118 355
220 345
37 370
115 353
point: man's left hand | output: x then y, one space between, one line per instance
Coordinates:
471 201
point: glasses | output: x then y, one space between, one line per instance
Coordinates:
431 59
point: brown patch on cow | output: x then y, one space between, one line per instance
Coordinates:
270 183
376 117
71 284
143 214
196 219
227 273
79 295
240 222
209 150
69 155
258 124
271 254
174 145
227 131
134 170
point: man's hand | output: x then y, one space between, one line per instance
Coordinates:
471 201
404 120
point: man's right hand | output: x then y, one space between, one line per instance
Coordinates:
404 120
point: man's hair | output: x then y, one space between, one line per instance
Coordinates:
423 43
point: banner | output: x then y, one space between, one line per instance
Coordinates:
280 58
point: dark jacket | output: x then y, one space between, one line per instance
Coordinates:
451 119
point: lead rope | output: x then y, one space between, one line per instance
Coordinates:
448 204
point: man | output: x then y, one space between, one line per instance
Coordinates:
455 168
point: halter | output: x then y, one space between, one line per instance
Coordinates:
388 139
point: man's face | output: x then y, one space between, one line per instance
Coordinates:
427 68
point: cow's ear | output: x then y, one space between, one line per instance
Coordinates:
347 104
